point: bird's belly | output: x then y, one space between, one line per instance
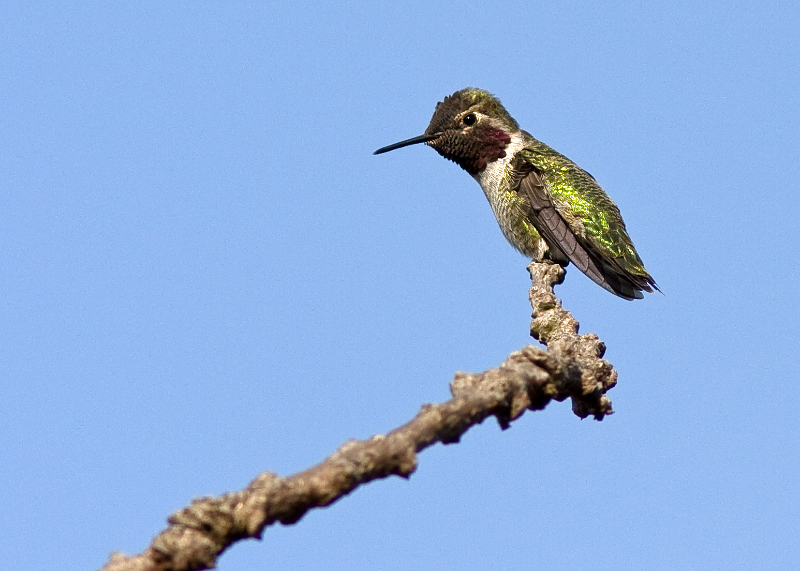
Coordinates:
517 229
509 208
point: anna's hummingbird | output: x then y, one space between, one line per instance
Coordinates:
546 205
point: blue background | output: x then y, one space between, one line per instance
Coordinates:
205 274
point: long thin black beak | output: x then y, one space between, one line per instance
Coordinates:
407 142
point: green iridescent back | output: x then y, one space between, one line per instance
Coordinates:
584 204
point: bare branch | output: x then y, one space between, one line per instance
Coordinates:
528 380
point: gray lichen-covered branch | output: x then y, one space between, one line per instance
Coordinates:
571 367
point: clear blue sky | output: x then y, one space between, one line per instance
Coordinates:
205 274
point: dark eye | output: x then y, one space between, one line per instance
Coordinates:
469 119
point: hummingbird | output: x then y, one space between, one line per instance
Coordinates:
547 207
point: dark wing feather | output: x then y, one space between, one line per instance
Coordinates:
528 182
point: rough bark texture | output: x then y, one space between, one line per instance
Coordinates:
528 380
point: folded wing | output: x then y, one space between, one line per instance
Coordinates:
598 265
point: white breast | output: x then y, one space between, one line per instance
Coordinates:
491 177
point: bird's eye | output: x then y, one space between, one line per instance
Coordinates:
469 119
